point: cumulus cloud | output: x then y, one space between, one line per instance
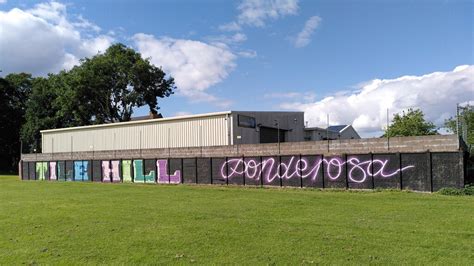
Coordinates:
195 65
46 39
256 12
304 37
3 1
436 94
225 39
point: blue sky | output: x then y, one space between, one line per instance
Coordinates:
351 59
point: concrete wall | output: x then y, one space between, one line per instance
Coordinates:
415 163
438 143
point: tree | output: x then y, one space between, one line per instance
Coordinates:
466 123
411 123
14 90
107 87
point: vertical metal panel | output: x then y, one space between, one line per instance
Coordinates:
181 133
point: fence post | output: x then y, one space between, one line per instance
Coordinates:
196 169
261 172
345 168
372 169
279 171
430 158
400 170
300 172
210 161
243 168
227 171
322 168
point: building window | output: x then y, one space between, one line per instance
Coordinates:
246 121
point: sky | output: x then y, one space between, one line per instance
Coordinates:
352 59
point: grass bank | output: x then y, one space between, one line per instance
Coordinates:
70 222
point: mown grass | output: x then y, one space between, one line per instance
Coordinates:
75 223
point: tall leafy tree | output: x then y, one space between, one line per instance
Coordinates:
106 87
410 123
14 90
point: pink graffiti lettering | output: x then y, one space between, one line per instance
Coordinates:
163 176
269 169
52 171
108 173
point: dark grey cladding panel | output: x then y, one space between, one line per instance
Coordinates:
175 166
189 170
217 175
61 170
334 172
96 171
270 171
32 170
359 174
387 170
417 177
69 170
204 170
235 171
311 171
24 170
290 174
447 170
253 171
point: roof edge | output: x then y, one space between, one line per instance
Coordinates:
136 122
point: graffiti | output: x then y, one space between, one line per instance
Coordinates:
127 171
80 171
52 171
353 169
41 169
163 176
138 173
358 170
110 171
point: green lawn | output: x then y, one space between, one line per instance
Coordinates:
66 222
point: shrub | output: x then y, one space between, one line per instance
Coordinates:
467 190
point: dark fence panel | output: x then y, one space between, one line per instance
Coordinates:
311 168
270 171
204 171
289 171
234 170
359 173
447 170
189 174
217 176
252 171
335 172
386 170
418 176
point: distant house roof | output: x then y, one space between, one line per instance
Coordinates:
338 128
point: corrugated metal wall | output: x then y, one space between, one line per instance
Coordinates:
192 132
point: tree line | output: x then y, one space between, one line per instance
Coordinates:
103 89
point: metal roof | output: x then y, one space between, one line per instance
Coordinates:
338 128
156 120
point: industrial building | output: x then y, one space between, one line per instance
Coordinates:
212 129
331 133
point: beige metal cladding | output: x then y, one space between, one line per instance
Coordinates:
190 131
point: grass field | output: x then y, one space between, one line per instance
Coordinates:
62 223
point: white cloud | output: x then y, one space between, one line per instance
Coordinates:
248 53
195 65
233 39
231 26
304 37
256 12
436 94
3 1
45 39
